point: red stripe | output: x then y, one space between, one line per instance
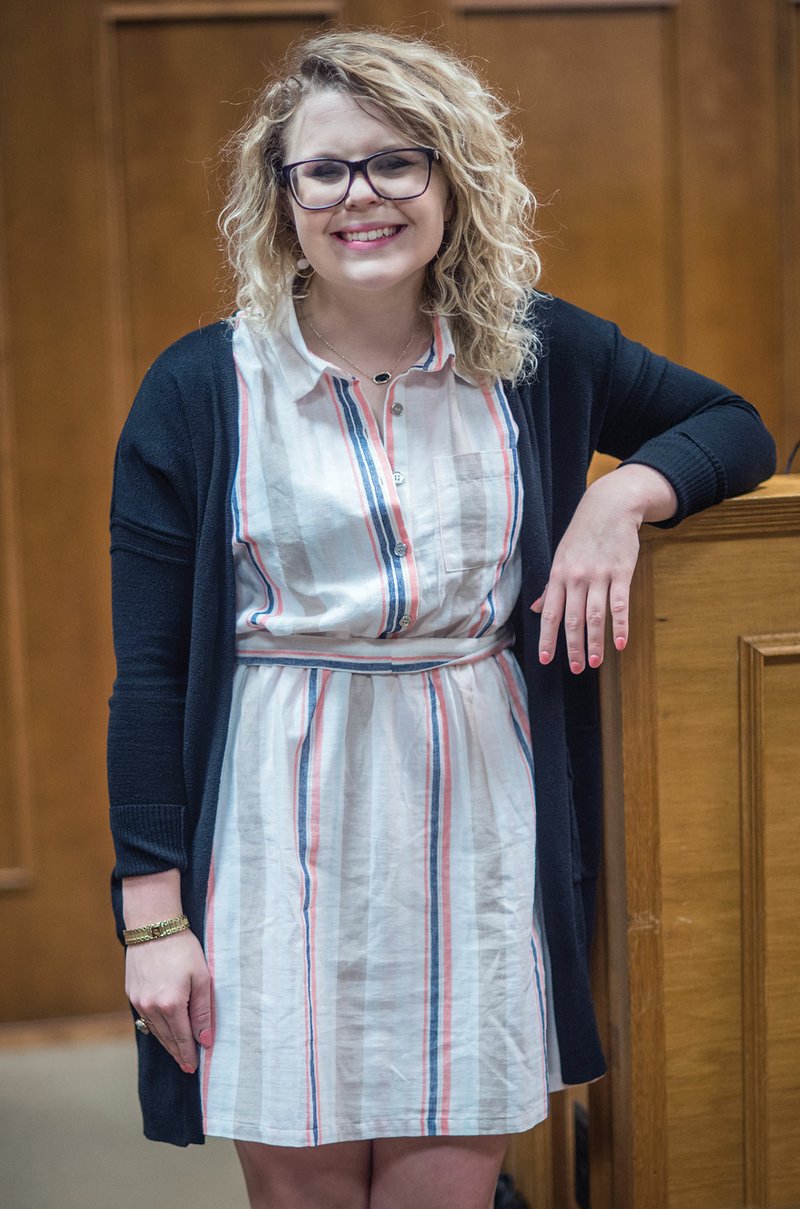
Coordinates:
513 688
446 1034
364 502
311 859
296 796
438 358
244 431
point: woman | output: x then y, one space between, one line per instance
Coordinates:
331 519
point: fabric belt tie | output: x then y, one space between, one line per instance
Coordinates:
372 656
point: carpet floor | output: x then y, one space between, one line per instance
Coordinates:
71 1138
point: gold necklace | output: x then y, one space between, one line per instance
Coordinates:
383 376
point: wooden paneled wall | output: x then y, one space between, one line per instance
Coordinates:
661 138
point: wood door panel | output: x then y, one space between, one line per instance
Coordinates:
178 90
589 97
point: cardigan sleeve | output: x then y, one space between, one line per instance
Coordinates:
706 440
152 555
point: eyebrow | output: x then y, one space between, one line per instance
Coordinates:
331 155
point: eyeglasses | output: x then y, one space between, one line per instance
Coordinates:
395 175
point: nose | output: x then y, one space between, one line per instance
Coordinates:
360 190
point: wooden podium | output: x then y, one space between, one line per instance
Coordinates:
697 955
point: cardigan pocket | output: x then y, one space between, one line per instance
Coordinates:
475 507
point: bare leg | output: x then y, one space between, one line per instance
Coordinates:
436 1173
335 1176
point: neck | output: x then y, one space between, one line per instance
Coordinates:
376 320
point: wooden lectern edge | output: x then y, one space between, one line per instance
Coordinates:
772 507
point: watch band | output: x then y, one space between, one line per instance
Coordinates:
167 927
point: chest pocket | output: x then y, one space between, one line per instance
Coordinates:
475 497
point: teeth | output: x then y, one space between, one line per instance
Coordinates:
367 236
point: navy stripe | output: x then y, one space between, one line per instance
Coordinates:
433 1038
302 836
237 520
381 514
379 511
344 665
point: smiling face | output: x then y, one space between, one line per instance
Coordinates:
366 243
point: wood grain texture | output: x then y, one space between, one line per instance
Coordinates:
561 5
714 875
788 71
590 96
770 684
204 73
729 180
215 10
16 824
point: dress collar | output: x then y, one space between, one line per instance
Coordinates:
303 369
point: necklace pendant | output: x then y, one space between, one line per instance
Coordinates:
383 377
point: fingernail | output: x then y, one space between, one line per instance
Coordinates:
205 1037
594 661
544 656
187 1069
575 666
619 643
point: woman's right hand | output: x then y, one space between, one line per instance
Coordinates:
169 984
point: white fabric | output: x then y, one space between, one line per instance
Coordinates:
373 925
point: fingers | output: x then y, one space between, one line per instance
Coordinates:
169 1023
169 984
582 605
551 606
200 1010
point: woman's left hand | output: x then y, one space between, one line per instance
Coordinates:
595 561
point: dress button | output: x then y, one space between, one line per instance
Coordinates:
399 477
405 620
397 409
400 549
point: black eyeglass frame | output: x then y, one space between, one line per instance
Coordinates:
354 167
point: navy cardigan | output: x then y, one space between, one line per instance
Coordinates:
173 609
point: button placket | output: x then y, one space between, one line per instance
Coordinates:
395 420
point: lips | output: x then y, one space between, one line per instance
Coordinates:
368 236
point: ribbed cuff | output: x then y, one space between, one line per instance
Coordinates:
148 839
696 475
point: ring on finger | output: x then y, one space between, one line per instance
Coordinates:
142 1024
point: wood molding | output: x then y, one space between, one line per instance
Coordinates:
555 6
742 516
215 10
756 653
16 873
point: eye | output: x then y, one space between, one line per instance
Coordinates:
324 170
393 162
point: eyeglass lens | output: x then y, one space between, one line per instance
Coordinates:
397 175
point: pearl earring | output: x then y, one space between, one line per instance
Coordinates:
302 263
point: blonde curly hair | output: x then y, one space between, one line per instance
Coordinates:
483 276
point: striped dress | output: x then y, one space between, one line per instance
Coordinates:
373 923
